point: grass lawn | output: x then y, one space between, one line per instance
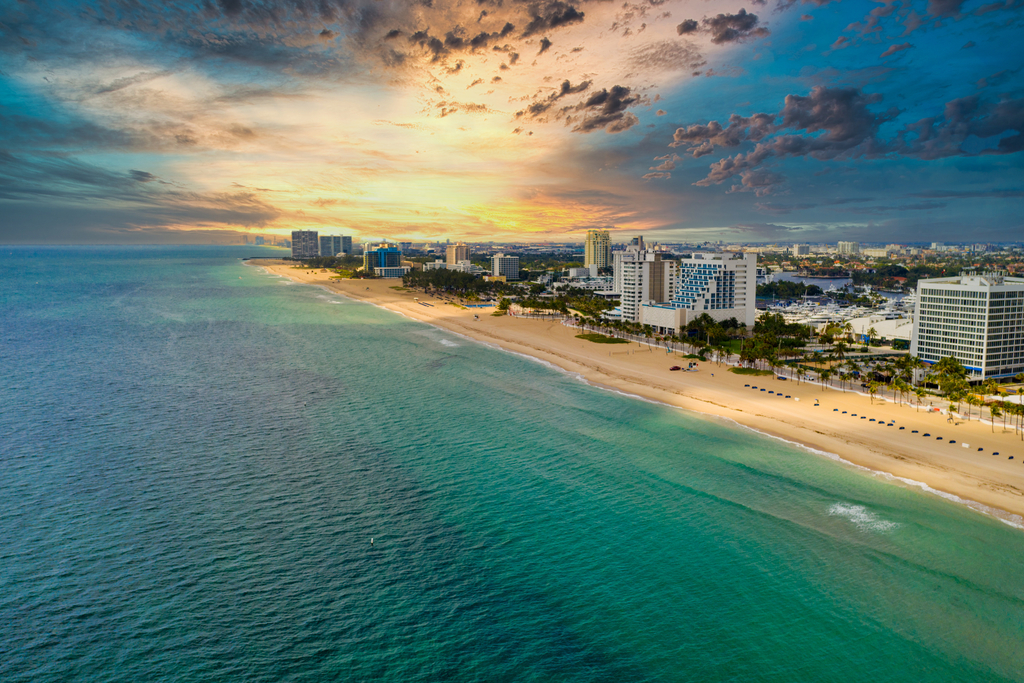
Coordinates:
400 289
601 339
751 371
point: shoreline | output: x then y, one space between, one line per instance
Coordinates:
989 484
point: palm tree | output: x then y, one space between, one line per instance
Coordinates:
994 411
872 389
872 333
919 392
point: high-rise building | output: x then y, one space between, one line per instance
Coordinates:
598 249
384 260
305 244
848 247
723 285
978 318
330 245
457 252
641 276
259 240
346 245
505 265
801 249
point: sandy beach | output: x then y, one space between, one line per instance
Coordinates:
988 482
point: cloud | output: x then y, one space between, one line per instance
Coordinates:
893 49
837 122
142 176
760 182
725 28
668 163
660 112
833 122
541 106
551 15
966 122
945 8
545 45
651 176
607 109
688 26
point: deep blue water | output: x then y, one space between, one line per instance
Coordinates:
194 456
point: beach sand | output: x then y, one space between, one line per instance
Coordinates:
987 482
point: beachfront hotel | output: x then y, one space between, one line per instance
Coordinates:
505 266
305 244
384 260
640 275
597 251
723 285
978 318
457 252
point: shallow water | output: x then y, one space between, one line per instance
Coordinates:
195 454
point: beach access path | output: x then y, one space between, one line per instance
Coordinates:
817 420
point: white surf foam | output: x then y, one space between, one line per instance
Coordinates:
862 517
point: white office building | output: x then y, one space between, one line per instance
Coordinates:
801 249
505 265
848 247
978 318
641 276
723 285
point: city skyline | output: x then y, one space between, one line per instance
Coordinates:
787 121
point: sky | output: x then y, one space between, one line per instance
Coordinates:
137 121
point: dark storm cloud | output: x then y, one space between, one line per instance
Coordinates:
551 15
966 118
688 26
545 45
725 28
838 122
607 109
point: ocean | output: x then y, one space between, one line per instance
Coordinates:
208 473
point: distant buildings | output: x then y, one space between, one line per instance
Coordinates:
384 260
801 249
598 249
978 318
848 247
259 240
641 276
305 244
456 252
507 266
346 245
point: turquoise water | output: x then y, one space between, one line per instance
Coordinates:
194 456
